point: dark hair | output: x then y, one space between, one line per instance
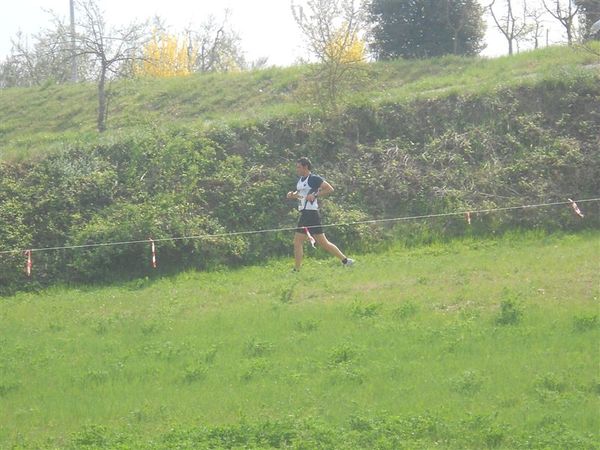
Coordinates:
304 161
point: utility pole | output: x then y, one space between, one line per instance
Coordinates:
73 57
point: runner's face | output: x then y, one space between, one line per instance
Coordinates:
301 170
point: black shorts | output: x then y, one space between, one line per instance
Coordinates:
310 219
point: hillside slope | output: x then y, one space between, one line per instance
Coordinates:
36 120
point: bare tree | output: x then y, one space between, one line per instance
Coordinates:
36 63
72 30
565 14
332 29
214 47
514 29
28 59
259 63
112 50
537 28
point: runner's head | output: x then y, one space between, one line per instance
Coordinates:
303 166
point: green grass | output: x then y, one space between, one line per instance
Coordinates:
467 344
38 120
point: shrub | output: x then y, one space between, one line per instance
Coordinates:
510 311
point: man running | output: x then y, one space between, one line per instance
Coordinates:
310 187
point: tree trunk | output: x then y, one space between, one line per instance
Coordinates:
510 47
102 100
73 43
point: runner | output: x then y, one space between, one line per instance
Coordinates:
309 187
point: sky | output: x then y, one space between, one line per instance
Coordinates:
266 27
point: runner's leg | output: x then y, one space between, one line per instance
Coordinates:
299 239
329 247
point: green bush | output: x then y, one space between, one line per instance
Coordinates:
517 146
165 217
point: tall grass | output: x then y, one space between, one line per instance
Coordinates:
466 344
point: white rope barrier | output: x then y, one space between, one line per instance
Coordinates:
275 230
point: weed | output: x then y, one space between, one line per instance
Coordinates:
550 382
255 348
150 328
585 322
342 354
287 295
7 387
194 373
422 280
307 326
406 309
91 436
210 354
467 383
511 311
254 369
96 376
167 350
362 311
55 327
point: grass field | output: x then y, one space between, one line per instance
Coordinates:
35 121
467 344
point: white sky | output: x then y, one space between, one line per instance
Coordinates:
266 27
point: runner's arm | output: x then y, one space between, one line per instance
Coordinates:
324 190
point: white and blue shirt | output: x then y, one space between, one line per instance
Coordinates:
308 185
